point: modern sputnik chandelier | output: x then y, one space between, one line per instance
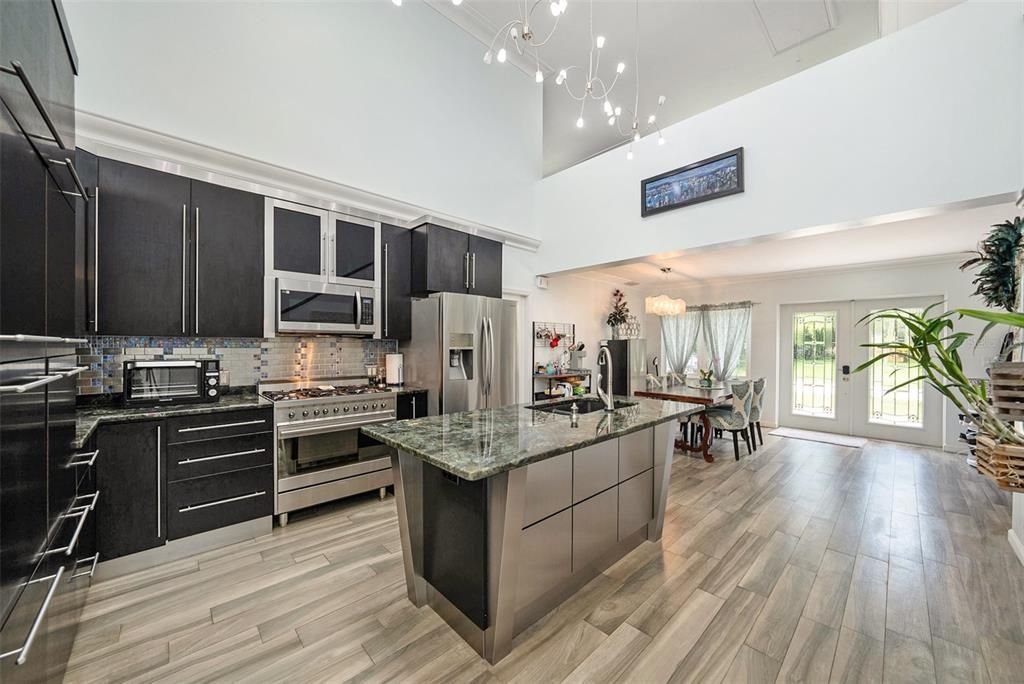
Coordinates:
518 33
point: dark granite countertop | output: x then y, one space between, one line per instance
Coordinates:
89 417
408 389
478 444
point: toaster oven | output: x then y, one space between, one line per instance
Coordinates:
147 383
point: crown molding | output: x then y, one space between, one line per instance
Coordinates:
144 147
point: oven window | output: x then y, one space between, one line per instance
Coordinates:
302 455
317 307
165 383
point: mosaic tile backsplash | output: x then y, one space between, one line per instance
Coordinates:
249 360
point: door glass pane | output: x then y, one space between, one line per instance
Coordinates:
903 407
354 250
297 242
814 363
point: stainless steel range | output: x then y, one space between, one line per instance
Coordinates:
321 453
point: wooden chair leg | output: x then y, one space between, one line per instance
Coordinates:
753 439
746 439
759 435
736 444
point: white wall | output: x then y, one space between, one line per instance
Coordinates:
921 118
390 100
926 277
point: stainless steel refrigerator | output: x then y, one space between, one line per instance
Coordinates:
463 351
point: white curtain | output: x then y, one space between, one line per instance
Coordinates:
679 340
726 329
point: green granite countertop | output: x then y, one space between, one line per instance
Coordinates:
89 417
477 444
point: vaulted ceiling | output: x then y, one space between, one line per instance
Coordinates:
698 53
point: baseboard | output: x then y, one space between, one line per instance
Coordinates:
1016 544
183 548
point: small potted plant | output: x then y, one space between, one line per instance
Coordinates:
706 376
619 314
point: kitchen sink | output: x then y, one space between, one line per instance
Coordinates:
584 405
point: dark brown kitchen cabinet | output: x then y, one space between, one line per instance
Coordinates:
411 405
142 237
175 256
447 260
484 267
396 275
85 244
130 513
226 287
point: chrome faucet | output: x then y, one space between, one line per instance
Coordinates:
606 397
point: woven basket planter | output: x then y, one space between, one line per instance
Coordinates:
1001 462
1007 385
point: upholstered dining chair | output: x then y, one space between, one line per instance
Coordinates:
755 413
735 418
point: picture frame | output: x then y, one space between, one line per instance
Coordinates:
707 179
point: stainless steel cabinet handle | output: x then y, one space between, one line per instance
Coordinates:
465 269
42 338
96 262
75 178
74 371
80 512
159 479
197 272
91 571
184 261
196 507
323 254
472 273
45 380
88 456
359 309
387 287
16 70
414 406
26 645
331 258
200 428
220 456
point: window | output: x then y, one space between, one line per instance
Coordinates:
814 363
682 333
903 406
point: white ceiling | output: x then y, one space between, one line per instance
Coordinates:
698 53
936 235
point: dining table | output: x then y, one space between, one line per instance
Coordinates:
677 388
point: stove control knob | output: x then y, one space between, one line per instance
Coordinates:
305 413
211 392
364 407
346 409
291 414
316 412
373 406
336 409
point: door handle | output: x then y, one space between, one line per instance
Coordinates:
359 309
184 262
96 262
465 269
159 503
472 272
387 287
197 272
846 369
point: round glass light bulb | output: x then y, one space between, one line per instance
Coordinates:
502 55
611 120
556 9
618 111
487 57
579 122
539 76
621 67
599 41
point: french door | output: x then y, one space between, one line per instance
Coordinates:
822 343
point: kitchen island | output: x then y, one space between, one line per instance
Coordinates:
504 513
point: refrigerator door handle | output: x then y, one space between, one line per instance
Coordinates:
490 355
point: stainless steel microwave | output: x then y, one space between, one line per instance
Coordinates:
147 383
312 307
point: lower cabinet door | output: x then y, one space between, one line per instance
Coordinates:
33 609
130 479
636 503
206 503
594 528
545 554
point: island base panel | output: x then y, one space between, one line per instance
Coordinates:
465 550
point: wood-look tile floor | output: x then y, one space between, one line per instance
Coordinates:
805 562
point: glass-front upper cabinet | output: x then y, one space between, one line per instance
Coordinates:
313 244
354 246
296 240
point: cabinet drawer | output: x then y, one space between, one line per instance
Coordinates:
207 503
594 531
548 487
636 453
546 557
212 456
636 503
594 469
220 424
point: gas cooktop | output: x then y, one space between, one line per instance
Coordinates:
323 392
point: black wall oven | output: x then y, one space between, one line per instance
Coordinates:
147 383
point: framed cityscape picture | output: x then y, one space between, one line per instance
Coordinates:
701 181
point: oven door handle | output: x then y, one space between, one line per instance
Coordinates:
302 430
